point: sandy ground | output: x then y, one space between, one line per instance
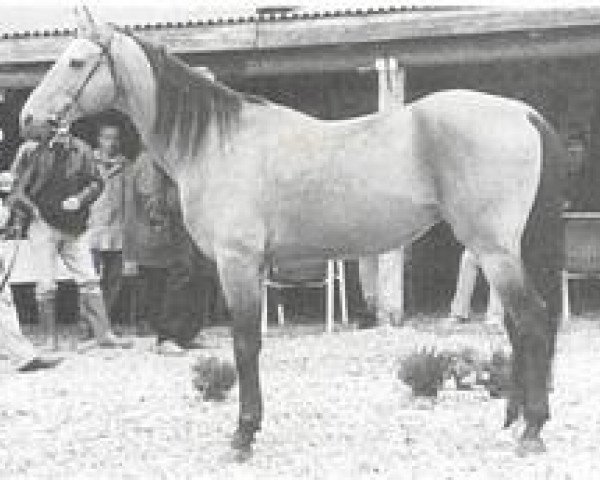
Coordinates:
334 409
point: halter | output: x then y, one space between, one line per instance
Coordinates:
76 95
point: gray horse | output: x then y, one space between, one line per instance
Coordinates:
261 183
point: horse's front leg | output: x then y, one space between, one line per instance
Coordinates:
240 280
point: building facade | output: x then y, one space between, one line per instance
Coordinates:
339 64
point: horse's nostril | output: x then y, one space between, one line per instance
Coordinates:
28 119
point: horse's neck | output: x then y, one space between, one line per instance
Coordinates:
138 86
138 98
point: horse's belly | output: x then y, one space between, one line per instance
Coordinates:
339 229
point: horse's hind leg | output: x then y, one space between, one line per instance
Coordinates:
532 338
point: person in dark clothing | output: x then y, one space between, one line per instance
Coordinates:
179 283
56 182
190 294
146 238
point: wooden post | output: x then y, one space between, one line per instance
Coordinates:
566 308
330 292
368 268
390 277
264 305
280 314
341 275
391 81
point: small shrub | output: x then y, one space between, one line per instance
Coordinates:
466 368
213 377
498 369
424 371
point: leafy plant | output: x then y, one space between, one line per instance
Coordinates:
466 368
213 377
424 371
498 370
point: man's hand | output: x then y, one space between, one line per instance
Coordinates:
71 204
35 213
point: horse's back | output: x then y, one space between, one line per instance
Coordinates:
456 100
345 188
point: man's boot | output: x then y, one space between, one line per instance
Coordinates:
39 362
47 318
92 309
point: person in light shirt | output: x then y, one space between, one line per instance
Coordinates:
14 346
107 216
56 182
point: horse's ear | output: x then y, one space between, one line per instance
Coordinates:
86 25
88 28
88 15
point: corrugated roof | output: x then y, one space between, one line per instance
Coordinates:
240 19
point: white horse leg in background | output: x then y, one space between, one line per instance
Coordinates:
382 285
460 307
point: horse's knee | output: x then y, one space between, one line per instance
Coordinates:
246 345
240 282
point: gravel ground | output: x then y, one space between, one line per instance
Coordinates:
333 409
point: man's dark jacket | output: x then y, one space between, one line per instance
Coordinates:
47 175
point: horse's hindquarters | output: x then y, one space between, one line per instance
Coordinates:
485 157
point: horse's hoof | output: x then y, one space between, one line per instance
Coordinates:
242 440
513 412
242 447
242 456
237 456
527 446
508 421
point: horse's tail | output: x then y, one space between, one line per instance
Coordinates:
542 243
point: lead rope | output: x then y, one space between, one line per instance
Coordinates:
10 266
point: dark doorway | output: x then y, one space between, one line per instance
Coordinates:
10 108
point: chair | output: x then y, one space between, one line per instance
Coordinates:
299 277
582 252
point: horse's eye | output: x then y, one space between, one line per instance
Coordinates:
76 63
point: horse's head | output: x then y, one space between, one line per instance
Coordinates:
81 82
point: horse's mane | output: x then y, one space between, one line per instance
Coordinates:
188 100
